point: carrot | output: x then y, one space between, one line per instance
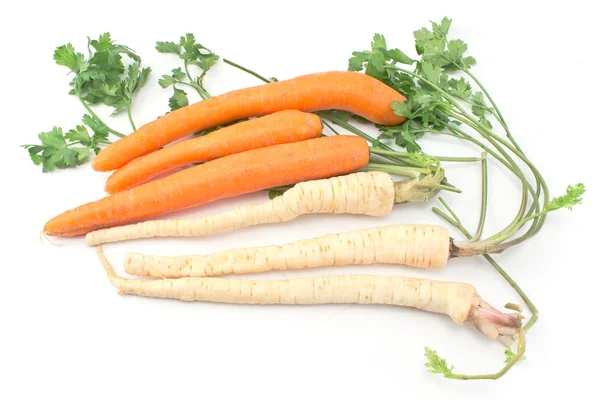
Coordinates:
350 91
225 177
368 193
459 301
281 127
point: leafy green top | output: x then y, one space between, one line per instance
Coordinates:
191 53
102 77
65 150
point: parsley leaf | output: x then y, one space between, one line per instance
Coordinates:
66 56
168 47
178 100
459 88
568 200
54 151
437 365
98 79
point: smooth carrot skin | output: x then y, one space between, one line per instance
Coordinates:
281 127
225 177
339 90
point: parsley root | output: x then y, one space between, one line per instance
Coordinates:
281 127
349 91
459 301
369 193
424 246
225 177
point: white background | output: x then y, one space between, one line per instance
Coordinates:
66 333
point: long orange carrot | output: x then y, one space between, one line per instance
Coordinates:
350 91
281 127
225 177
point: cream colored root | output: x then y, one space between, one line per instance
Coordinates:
459 301
368 193
424 246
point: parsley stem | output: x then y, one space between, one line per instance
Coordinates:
93 114
412 172
238 66
327 124
192 83
521 346
493 103
454 221
129 116
484 192
440 158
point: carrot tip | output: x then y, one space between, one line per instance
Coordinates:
43 235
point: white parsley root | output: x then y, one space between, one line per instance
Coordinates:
369 193
459 301
424 246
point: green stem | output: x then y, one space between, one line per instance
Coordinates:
407 155
192 83
412 172
493 103
238 66
93 114
327 124
521 346
129 116
458 225
484 192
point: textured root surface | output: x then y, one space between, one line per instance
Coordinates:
367 193
424 246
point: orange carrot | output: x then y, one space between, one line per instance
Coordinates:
229 176
349 91
281 127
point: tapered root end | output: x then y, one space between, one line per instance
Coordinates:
494 323
44 236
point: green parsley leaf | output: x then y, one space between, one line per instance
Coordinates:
568 200
100 130
403 109
178 100
399 56
441 30
66 56
378 43
437 365
103 43
468 62
430 72
355 63
166 80
459 88
178 74
376 65
275 193
79 134
54 152
479 105
456 50
168 47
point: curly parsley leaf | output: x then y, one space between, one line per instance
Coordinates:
437 365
